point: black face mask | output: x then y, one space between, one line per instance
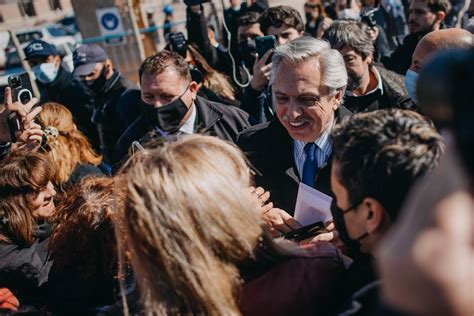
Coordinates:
352 245
247 50
169 116
98 84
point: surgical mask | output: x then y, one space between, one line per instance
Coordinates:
168 117
247 50
348 14
411 79
352 245
45 72
96 85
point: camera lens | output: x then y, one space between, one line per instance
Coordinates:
16 82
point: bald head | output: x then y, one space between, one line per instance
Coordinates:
436 41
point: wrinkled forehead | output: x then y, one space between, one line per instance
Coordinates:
167 80
298 77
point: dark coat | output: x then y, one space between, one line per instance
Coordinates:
107 109
394 95
269 148
258 104
307 285
24 269
70 92
213 118
400 60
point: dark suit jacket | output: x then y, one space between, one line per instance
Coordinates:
394 95
269 149
223 121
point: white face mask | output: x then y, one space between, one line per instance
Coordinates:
45 72
411 78
348 13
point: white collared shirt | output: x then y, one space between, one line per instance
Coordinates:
322 155
188 126
378 87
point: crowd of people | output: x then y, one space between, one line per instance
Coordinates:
178 194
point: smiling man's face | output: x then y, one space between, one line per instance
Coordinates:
302 103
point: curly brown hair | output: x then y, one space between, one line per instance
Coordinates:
281 15
84 237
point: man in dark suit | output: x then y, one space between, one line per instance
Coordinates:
308 80
172 107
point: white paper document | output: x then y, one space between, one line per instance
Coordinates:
312 206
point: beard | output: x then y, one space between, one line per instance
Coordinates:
353 82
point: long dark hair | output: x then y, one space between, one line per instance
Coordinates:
23 175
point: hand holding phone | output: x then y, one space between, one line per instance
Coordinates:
15 116
265 43
306 232
22 89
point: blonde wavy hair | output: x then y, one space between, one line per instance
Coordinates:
66 146
188 219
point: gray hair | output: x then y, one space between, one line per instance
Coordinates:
352 34
333 69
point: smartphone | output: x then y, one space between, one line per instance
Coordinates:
21 87
264 44
306 232
178 43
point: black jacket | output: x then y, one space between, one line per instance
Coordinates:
24 269
394 95
400 60
70 92
213 118
107 111
198 34
269 148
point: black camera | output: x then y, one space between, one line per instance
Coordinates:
178 43
368 18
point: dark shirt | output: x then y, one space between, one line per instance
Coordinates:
70 92
107 111
24 269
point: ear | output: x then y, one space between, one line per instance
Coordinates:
193 88
109 70
370 59
375 215
440 16
337 99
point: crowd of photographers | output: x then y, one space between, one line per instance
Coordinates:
177 194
